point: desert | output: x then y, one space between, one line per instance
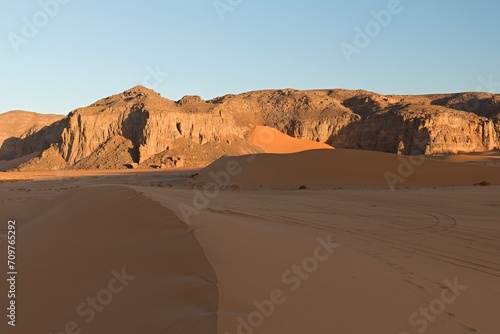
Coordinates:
249 167
227 259
286 235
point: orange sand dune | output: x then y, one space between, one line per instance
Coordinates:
327 168
109 260
273 141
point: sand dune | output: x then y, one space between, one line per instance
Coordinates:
486 158
359 260
273 141
330 168
141 267
396 253
11 164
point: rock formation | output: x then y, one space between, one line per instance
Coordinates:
139 128
24 132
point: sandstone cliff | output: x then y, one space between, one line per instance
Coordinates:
24 132
144 124
139 128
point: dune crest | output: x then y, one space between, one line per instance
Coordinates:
273 141
329 168
107 259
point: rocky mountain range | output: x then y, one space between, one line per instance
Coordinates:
140 129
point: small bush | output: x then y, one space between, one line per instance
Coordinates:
302 187
483 184
235 187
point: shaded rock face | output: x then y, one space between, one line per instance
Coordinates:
420 125
148 123
409 125
23 132
140 128
416 130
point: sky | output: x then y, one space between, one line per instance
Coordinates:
58 55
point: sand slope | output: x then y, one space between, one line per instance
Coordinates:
396 251
273 141
491 158
326 168
91 237
11 164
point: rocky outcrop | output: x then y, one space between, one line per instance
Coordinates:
148 122
398 124
139 128
438 124
414 130
24 132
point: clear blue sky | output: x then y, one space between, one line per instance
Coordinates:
91 49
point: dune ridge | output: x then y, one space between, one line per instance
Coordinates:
101 239
329 168
397 251
273 141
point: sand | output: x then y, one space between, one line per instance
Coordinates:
5 165
491 158
361 259
331 168
272 141
142 266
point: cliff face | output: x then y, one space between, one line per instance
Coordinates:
414 130
140 128
438 124
23 132
147 122
398 124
